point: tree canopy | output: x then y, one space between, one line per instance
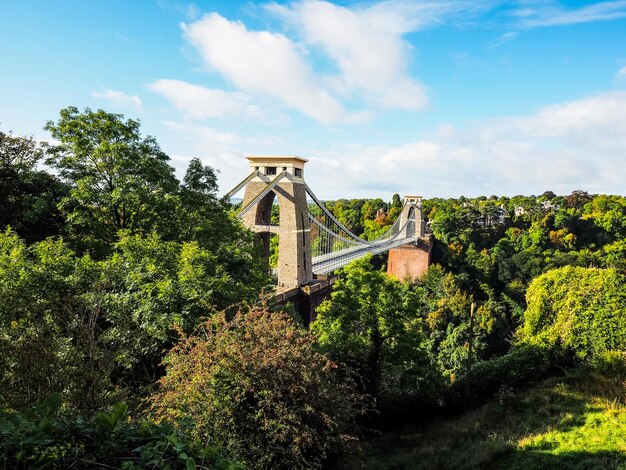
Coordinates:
581 309
118 179
28 195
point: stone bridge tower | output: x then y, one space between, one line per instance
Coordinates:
411 261
413 204
294 267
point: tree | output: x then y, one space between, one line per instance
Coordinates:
50 307
28 196
156 287
255 385
95 329
118 180
608 213
370 208
582 309
369 325
577 199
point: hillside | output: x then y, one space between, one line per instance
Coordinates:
577 421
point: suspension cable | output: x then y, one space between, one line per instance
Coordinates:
261 195
245 181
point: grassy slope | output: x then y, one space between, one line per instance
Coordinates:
577 421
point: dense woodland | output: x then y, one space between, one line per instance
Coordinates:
137 328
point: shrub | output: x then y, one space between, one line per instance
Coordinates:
583 309
255 385
610 364
41 438
526 363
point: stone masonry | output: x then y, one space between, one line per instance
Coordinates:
294 251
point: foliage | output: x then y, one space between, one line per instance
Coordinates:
90 314
118 179
368 218
255 384
41 437
582 309
28 196
521 366
93 329
139 255
370 324
48 332
576 421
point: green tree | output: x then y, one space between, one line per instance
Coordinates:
50 312
370 325
93 329
371 207
28 196
608 213
158 286
581 309
119 180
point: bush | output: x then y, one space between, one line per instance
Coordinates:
582 309
611 364
255 385
524 364
41 438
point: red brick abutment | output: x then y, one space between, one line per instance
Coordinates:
405 262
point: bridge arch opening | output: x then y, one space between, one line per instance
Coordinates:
267 221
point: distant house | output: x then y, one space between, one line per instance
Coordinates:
497 217
519 210
547 206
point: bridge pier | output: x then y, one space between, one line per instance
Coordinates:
307 298
410 261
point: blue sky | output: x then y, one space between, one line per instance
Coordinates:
439 98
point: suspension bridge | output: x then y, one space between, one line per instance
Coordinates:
312 242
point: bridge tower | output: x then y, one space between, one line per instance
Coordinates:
286 173
412 260
413 204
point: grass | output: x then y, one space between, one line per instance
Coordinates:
575 422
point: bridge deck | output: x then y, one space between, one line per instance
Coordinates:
328 263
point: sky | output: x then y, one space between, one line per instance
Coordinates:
437 98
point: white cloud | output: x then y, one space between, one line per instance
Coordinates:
552 14
366 46
364 42
579 144
261 62
224 151
503 39
201 102
621 73
403 16
120 98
